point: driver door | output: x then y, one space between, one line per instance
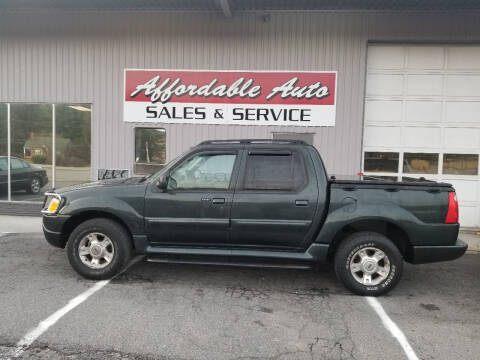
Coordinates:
195 207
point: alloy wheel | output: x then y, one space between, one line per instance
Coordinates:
370 266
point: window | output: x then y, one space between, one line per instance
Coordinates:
203 171
274 171
72 144
381 162
3 151
460 164
16 164
31 134
3 165
150 150
420 163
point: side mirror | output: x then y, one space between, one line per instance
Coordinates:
162 183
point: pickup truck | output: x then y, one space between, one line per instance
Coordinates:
266 203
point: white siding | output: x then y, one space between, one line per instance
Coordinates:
74 56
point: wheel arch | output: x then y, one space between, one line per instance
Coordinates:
83 216
387 228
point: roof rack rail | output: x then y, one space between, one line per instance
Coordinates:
253 141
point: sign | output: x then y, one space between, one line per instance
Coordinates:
230 97
106 174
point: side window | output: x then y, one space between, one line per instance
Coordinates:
3 164
16 164
203 171
282 171
25 164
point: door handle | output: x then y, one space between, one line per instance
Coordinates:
301 202
218 201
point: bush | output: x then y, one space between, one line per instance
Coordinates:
39 159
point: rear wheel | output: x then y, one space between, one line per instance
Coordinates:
34 185
368 263
99 248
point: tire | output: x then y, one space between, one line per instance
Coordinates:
107 240
34 186
357 258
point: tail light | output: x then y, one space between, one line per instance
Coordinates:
452 212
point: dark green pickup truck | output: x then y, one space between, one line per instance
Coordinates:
256 203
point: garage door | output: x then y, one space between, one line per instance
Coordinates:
422 117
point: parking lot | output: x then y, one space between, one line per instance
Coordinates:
166 311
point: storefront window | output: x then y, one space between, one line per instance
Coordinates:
3 151
150 150
420 163
72 144
33 162
31 145
460 164
381 162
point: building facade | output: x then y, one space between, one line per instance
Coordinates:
407 94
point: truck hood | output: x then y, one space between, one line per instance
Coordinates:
102 183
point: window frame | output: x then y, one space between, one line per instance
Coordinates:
442 170
53 134
268 151
233 177
135 163
399 161
440 175
420 153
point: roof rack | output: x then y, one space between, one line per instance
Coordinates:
253 141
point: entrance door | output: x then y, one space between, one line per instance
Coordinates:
195 208
275 202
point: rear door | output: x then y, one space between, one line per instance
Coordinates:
275 200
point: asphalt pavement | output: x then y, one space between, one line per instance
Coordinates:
166 311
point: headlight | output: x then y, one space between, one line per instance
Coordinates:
52 203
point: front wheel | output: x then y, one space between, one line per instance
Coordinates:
368 263
34 186
99 248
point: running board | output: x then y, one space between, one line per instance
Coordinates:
315 253
228 263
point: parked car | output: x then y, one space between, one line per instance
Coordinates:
24 176
256 203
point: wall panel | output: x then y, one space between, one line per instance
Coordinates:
74 56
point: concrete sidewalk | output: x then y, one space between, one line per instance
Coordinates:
20 224
27 224
472 238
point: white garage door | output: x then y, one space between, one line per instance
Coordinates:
422 117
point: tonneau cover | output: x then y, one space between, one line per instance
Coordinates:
369 181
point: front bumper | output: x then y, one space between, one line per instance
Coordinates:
52 229
428 254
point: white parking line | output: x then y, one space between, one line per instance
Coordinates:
392 327
44 325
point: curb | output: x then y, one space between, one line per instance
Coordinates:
472 239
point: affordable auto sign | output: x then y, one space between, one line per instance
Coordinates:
230 97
